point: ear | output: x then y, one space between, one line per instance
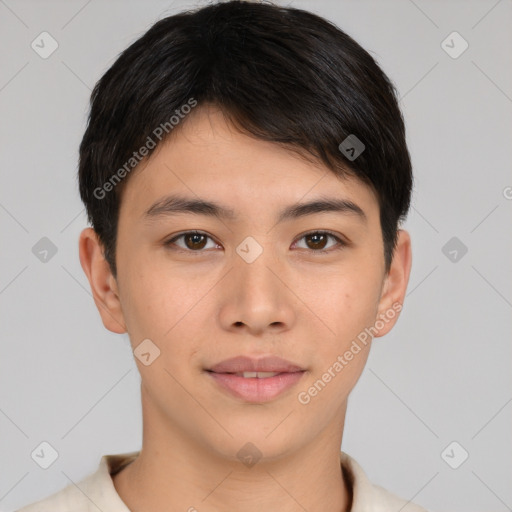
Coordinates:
395 285
103 284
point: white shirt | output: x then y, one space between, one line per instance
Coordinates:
97 491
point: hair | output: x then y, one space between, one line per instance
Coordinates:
279 74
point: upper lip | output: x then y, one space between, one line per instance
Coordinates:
241 364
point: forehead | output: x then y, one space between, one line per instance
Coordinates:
209 158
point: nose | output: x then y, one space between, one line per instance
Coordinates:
256 298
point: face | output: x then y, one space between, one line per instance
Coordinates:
254 281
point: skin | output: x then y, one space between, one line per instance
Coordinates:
200 308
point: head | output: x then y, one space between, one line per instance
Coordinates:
243 113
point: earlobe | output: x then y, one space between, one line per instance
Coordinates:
103 284
395 286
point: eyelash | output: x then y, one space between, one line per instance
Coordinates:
341 243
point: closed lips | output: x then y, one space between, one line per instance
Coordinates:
255 380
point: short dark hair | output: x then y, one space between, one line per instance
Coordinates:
279 74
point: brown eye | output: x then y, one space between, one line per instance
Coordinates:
317 241
193 241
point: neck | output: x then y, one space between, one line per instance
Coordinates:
174 472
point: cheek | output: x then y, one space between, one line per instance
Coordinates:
339 361
349 303
163 306
148 300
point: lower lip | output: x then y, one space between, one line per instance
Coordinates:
257 390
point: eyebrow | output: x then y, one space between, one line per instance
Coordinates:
176 204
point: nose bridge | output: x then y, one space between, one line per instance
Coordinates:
255 267
256 296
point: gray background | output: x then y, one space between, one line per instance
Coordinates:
442 375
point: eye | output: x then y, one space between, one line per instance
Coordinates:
194 241
317 240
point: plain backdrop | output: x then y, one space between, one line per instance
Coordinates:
435 390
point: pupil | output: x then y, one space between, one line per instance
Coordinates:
195 238
316 239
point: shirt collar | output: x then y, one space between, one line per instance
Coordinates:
99 486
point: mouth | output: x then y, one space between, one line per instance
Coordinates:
255 380
256 375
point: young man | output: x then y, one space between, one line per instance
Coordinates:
245 172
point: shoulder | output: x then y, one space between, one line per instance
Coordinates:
93 493
69 498
368 497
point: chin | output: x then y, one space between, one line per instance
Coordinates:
257 442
